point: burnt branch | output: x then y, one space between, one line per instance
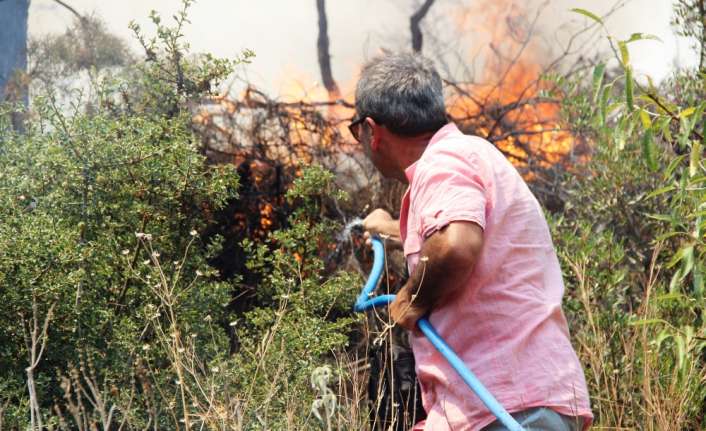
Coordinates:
72 10
322 47
415 20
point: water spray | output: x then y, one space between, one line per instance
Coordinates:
345 234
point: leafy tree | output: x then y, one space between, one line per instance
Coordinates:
631 240
89 201
690 21
112 314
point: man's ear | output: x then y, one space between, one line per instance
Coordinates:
375 134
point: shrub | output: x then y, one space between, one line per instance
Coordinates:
631 243
112 315
98 212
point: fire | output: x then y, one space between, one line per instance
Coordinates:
508 105
266 214
299 88
270 140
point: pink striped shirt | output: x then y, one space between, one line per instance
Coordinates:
507 323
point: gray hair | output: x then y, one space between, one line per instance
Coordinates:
403 92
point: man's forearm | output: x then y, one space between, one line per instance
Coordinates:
447 259
434 280
391 228
443 268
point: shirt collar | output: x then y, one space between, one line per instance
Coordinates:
440 134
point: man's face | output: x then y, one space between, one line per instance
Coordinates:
370 137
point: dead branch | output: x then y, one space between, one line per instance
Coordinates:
3 407
322 47
35 340
415 20
72 10
84 398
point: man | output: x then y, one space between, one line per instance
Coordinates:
480 257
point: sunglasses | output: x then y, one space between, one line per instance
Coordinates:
354 129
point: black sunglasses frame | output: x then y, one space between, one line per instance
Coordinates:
353 127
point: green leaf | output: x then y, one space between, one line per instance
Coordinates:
661 217
681 350
698 281
647 100
614 107
642 322
598 73
661 338
629 88
688 262
649 153
624 54
698 223
588 14
683 253
605 95
674 283
664 127
686 112
676 296
645 119
660 191
697 180
697 214
668 235
673 165
642 36
694 158
619 136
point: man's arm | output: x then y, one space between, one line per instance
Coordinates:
447 259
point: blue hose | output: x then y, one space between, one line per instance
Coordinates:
366 301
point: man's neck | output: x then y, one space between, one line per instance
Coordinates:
410 150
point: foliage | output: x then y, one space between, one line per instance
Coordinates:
85 45
91 202
631 240
112 315
304 315
169 78
689 20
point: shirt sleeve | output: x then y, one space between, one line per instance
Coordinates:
450 187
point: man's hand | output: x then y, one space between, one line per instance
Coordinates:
380 222
404 312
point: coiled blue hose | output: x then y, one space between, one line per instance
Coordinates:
366 301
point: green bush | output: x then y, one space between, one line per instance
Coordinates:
112 314
631 243
97 210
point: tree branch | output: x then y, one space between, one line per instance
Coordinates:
414 21
672 115
72 10
322 46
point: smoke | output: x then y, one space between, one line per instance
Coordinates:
283 34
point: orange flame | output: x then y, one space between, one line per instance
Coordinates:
508 106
